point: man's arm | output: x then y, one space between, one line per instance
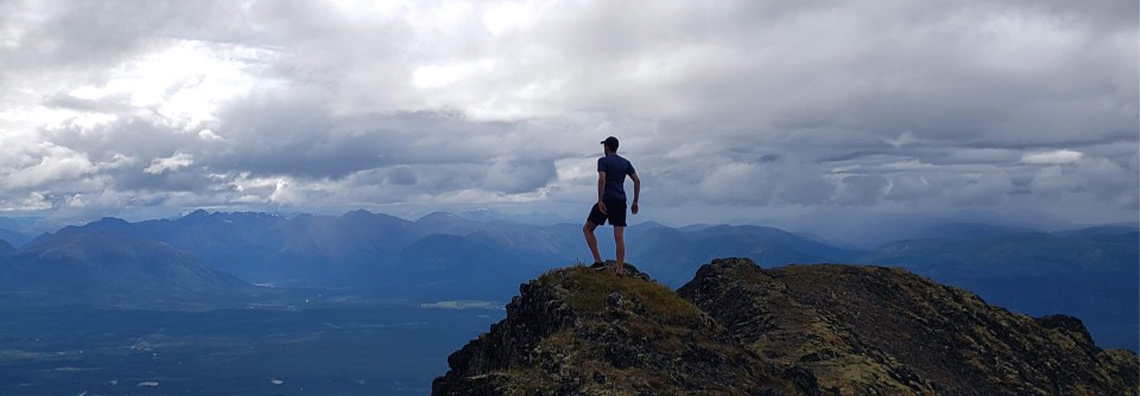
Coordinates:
601 190
601 185
636 191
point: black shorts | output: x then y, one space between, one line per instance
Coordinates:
615 213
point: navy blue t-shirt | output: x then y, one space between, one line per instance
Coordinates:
616 169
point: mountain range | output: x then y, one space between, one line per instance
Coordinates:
109 266
1090 273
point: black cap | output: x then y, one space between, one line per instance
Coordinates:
611 142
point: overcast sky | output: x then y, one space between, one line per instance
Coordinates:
728 110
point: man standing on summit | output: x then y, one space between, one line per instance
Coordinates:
612 170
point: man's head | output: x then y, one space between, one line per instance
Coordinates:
611 144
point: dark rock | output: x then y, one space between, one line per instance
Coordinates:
826 330
599 377
804 379
615 301
560 337
1067 323
879 330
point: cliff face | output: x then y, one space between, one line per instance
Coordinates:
738 329
588 331
865 330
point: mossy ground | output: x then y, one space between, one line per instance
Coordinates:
591 287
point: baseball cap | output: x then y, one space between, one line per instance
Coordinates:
611 142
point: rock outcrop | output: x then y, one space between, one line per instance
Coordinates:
738 329
589 331
868 330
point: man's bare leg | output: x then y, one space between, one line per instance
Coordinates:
619 240
591 240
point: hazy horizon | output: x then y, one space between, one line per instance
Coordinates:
863 230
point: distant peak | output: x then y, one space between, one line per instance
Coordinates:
107 223
197 213
439 215
358 212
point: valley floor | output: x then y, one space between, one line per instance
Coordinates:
346 349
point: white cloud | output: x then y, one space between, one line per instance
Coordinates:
744 105
175 162
118 161
75 201
51 163
209 135
1052 157
32 202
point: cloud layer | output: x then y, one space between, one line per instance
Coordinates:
734 109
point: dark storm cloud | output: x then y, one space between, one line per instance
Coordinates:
92 34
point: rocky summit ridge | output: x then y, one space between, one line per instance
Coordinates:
738 329
583 330
869 330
